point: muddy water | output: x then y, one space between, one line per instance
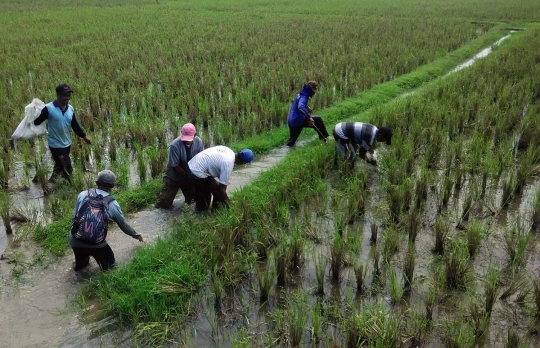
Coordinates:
37 309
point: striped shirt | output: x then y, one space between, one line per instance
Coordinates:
363 134
217 162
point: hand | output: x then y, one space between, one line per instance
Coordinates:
140 238
311 122
87 140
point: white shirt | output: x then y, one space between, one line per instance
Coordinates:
217 162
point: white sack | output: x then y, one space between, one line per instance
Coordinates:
26 129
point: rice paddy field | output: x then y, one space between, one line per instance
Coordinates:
436 246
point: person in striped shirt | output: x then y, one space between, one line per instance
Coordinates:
353 137
215 162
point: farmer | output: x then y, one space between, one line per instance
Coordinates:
300 115
84 245
214 162
61 117
357 136
181 150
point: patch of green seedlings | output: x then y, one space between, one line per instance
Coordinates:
441 229
374 326
475 233
4 211
316 324
391 241
217 290
417 328
457 333
413 225
491 289
478 319
296 248
266 277
396 289
513 340
320 270
297 316
516 239
360 272
429 303
508 189
408 267
337 251
456 265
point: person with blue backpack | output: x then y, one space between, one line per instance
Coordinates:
94 208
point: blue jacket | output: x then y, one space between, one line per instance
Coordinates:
299 112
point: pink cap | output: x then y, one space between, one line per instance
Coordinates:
188 132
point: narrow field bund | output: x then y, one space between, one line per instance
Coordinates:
52 236
291 182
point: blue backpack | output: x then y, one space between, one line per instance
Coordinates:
90 223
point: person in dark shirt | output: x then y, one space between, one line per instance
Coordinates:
358 137
60 117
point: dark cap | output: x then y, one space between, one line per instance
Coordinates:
246 155
63 88
387 133
106 178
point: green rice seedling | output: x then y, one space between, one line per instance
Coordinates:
536 297
266 278
338 254
456 266
475 234
4 211
517 283
376 256
535 213
4 173
141 161
408 189
508 188
513 340
457 333
408 267
395 202
316 324
418 326
297 316
430 302
421 189
446 188
41 175
391 240
374 229
516 240
479 320
320 270
360 273
441 231
217 290
491 289
281 261
375 326
466 207
157 159
296 248
396 290
413 225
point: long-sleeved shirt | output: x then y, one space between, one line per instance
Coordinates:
115 212
59 124
298 113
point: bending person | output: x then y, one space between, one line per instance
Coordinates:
300 115
353 137
181 150
215 162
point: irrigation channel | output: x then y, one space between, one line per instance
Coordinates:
36 310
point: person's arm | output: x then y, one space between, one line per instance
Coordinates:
175 159
118 217
304 108
42 116
78 130
223 190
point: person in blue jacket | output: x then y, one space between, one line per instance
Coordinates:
300 115
60 117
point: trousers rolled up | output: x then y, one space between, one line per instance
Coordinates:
320 128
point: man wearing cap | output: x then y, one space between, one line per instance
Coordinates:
101 252
353 137
60 117
214 162
300 115
181 150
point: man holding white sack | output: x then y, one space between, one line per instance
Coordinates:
60 117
